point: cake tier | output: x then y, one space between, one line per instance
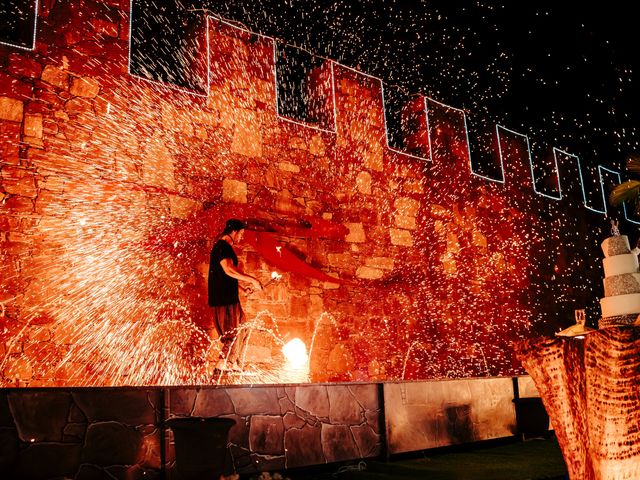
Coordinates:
620 264
622 284
617 321
617 245
620 305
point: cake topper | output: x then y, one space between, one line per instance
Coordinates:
615 231
579 330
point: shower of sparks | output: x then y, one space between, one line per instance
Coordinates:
90 295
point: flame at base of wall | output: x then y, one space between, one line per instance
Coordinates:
296 368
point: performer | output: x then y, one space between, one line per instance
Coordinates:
225 306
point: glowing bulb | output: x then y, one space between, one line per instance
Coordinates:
275 276
295 352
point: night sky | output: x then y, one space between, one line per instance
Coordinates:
564 75
561 73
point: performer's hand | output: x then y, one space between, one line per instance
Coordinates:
257 285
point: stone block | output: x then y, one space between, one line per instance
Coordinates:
266 435
74 432
367 395
288 167
286 203
338 443
408 223
55 77
317 306
234 191
104 27
367 441
18 368
385 263
291 420
254 401
407 207
77 105
373 418
239 433
33 125
340 259
61 115
11 109
363 183
130 407
356 233
369 273
374 157
22 66
16 88
182 400
440 212
303 446
210 403
344 409
85 87
247 136
158 168
331 285
299 307
33 141
414 186
111 443
182 207
23 186
297 143
317 146
286 406
39 334
401 237
40 352
39 416
313 399
150 454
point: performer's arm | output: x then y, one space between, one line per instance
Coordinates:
233 271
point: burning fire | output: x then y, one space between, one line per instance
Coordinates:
295 351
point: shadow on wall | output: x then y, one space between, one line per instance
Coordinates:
459 425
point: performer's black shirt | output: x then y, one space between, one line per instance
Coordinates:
223 290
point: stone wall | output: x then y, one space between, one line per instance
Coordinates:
80 434
289 427
86 433
117 433
112 188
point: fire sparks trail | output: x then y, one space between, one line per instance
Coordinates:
443 268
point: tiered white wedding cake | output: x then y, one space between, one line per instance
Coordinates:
621 302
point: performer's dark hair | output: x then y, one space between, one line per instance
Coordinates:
233 225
